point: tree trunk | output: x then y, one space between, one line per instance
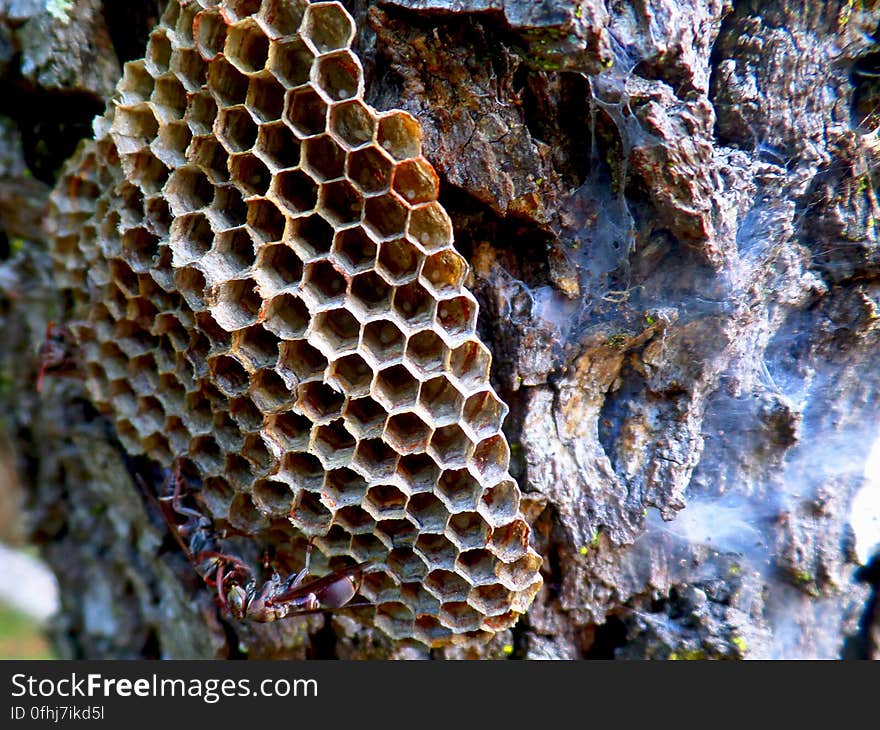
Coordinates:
670 215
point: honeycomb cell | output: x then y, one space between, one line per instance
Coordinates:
238 304
272 497
396 388
265 221
324 158
296 191
426 352
372 296
377 586
269 392
476 566
370 170
460 617
430 226
500 504
341 202
354 249
395 619
355 520
287 316
229 374
247 47
468 530
320 402
351 123
236 129
365 417
291 431
444 273
469 363
335 332
399 261
279 268
250 173
324 284
375 458
333 444
277 146
459 490
366 547
241 9
510 541
208 154
339 76
491 458
397 533
159 52
229 209
416 182
299 362
428 512
304 470
227 83
352 374
190 68
385 215
345 487
282 17
328 27
245 413
290 61
305 112
171 144
169 99
201 113
414 305
447 587
405 566
385 502
234 251
188 190
335 543
399 135
436 551
139 247
312 237
207 454
209 30
136 84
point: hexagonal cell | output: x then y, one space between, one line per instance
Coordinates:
459 490
178 435
328 26
365 418
366 547
191 238
397 533
241 9
469 363
324 158
385 502
169 99
407 433
298 361
416 181
491 459
279 268
400 135
247 47
245 414
428 512
344 487
430 631
460 617
227 83
136 126
229 374
484 413
324 283
270 392
441 399
290 430
206 452
419 472
521 573
236 129
447 586
371 295
335 542
190 68
500 504
510 541
208 153
305 112
139 247
396 388
148 172
197 417
265 220
290 60
296 191
395 619
272 497
385 215
375 459
150 415
287 316
333 444
304 471
336 331
404 565
399 261
251 173
426 352
136 84
277 145
184 20
436 551
201 113
352 374
209 31
339 75
370 169
282 17
468 530
229 209
444 272
377 586
341 202
188 190
355 520
309 515
430 226
171 144
312 237
320 402
234 251
354 249
158 52
477 567
172 328
383 341
414 305
352 123
123 398
238 304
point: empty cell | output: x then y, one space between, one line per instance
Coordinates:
270 392
227 432
291 431
188 190
372 295
354 249
366 547
324 282
279 266
396 388
277 146
477 567
150 414
298 361
404 565
265 98
383 340
235 250
247 47
419 471
413 304
385 501
339 75
377 586
241 9
500 504
227 83
426 352
352 123
287 316
170 326
399 135
201 113
355 520
468 530
430 226
484 413
430 631
320 402
113 359
398 533
370 169
178 435
137 124
250 173
491 458
336 331
217 494
385 215
171 143
416 181
156 446
459 490
257 453
245 413
219 337
436 551
139 246
244 516
229 374
290 60
335 542
469 363
209 30
428 512
238 303
208 154
328 26
441 400
136 84
190 68
407 433
124 277
229 209
510 541
460 617
282 17
312 236
206 452
272 497
305 112
265 220
236 129
444 272
123 398
169 99
375 458
447 586
341 202
451 446
333 444
296 191
352 374
324 158
365 418
185 22
158 52
344 487
399 260
197 353
191 238
147 172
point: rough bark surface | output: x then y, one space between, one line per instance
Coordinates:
669 208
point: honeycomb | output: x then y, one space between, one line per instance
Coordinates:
264 283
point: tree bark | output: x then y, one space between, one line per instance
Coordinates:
670 213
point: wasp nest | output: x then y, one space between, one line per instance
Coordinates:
266 283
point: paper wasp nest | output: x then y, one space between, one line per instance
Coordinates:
267 285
